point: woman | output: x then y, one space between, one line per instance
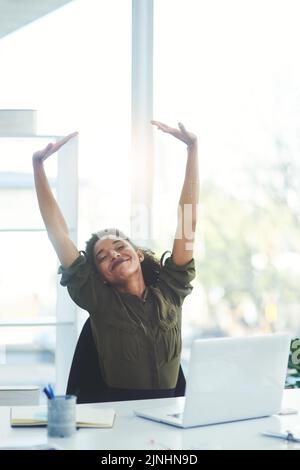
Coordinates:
133 301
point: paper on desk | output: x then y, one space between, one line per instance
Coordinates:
95 417
86 417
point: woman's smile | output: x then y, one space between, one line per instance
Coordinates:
117 262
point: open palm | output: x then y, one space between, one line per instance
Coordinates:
41 155
181 133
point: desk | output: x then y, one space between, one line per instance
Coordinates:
131 432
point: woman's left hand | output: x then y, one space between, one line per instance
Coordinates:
181 133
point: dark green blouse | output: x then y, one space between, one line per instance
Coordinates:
138 340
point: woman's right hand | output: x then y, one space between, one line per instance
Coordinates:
42 155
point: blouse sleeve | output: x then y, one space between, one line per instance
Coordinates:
174 280
84 289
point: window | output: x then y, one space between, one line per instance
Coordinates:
73 81
230 72
32 313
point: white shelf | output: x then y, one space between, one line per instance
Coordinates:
22 229
34 322
33 136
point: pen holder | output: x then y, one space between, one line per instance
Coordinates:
62 416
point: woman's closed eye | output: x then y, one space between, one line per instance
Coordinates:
120 247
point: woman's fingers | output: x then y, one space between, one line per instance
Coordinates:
180 133
63 141
48 148
52 148
47 151
165 128
182 128
159 125
169 129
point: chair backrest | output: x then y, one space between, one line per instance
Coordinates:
85 378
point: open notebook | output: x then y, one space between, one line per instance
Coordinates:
86 417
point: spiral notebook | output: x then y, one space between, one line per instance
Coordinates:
86 417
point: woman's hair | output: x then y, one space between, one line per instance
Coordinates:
150 266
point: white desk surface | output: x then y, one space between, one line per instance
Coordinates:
132 432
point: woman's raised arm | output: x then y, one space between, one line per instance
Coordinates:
183 244
53 219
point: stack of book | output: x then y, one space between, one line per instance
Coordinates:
19 395
17 122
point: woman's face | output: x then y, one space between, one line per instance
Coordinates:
116 259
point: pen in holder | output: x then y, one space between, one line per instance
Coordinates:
61 416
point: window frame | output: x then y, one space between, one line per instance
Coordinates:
65 318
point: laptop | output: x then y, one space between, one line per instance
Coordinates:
230 379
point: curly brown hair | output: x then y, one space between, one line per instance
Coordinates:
151 266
